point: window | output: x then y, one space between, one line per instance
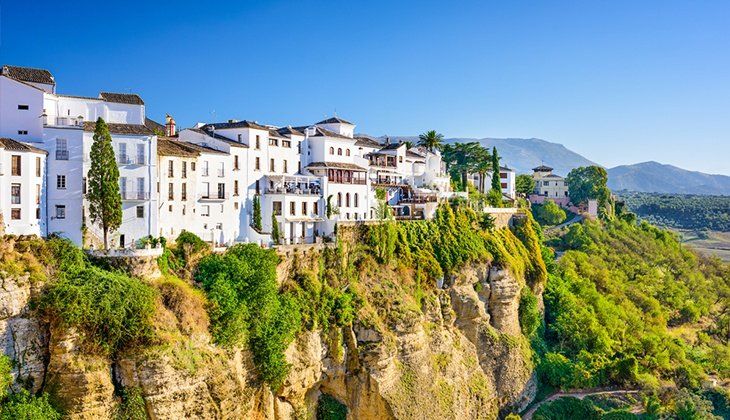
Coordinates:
184 172
15 214
258 141
206 189
37 194
235 162
38 213
299 166
257 164
184 192
339 199
286 167
123 158
292 208
23 107
258 188
140 154
205 168
285 143
400 159
205 211
15 169
332 150
356 200
240 138
61 149
273 142
271 166
140 188
169 208
347 200
37 166
339 151
315 208
192 166
347 152
60 182
304 208
170 168
235 187
276 208
15 193
183 210
170 191
140 212
221 190
22 133
60 212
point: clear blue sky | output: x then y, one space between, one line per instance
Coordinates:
617 81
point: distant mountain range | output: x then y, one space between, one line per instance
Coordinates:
661 178
525 154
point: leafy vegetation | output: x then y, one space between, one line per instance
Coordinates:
21 405
525 184
328 408
589 183
105 201
622 307
680 211
549 213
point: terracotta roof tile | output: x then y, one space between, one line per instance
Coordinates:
28 74
122 98
129 129
14 145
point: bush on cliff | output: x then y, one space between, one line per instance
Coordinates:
21 405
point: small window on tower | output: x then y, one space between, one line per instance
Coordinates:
23 107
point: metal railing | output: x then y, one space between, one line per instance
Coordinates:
134 195
129 160
63 121
213 196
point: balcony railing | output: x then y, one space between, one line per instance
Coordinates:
61 154
130 160
63 121
135 195
214 196
431 198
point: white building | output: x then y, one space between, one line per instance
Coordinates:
63 125
549 185
507 182
22 188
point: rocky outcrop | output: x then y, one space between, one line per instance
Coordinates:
23 338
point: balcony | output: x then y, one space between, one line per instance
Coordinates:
135 195
61 154
220 196
129 160
420 199
293 184
51 121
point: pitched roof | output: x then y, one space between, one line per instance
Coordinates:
213 134
414 155
168 146
542 168
235 124
122 98
335 120
392 146
28 74
128 129
364 141
336 165
321 132
153 125
14 145
290 131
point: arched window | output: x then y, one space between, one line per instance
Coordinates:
347 200
356 200
339 199
347 152
339 151
332 150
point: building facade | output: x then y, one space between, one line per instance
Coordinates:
22 188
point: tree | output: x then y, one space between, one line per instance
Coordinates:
588 183
275 234
482 165
431 140
257 213
461 159
105 201
525 184
549 213
496 183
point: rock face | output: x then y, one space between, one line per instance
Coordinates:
459 355
22 336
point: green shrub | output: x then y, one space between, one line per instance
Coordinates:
549 213
567 408
132 406
329 408
247 308
6 377
110 310
24 406
529 313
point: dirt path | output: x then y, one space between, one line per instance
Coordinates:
580 394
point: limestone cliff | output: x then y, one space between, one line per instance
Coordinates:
456 353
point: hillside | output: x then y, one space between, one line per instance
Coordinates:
525 154
661 178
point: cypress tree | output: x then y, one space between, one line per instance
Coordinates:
275 235
257 213
496 184
105 201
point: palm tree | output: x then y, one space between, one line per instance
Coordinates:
431 140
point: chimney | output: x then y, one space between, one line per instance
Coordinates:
169 126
